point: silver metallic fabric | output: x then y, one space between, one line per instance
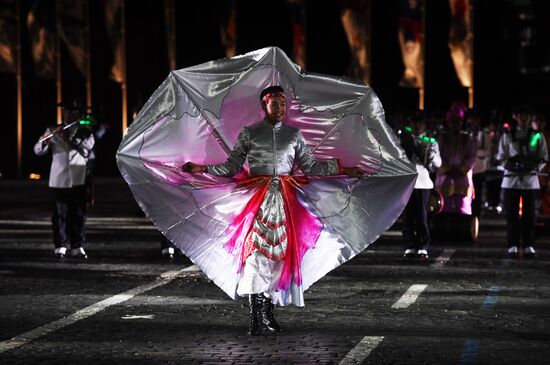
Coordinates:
272 150
197 114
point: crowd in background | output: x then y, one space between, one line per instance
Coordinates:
476 162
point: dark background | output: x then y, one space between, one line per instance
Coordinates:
499 59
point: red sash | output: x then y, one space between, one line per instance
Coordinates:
302 227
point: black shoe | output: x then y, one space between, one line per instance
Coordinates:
267 315
254 305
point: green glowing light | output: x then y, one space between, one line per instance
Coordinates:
408 129
87 121
533 143
426 139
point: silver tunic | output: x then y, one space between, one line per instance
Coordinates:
272 150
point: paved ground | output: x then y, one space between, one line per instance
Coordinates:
467 304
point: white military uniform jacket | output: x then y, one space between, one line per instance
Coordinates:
507 148
68 167
433 157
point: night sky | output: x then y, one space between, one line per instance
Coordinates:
498 81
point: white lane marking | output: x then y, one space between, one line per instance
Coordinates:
137 316
392 234
362 350
410 296
44 330
443 258
192 268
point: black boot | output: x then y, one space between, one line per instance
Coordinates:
267 315
254 304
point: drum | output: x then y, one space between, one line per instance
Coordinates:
436 202
455 227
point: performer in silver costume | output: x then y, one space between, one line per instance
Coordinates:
271 148
268 228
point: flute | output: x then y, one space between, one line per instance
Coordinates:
83 122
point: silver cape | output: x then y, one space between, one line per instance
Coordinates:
197 114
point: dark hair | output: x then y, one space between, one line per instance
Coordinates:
271 90
75 104
416 117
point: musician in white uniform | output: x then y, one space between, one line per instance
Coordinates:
423 151
524 153
70 148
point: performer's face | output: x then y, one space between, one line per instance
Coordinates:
454 124
523 119
275 108
418 127
70 116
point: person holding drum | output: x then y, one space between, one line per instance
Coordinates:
524 153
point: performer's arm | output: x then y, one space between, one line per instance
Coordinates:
542 152
434 157
470 158
231 166
310 166
41 148
503 154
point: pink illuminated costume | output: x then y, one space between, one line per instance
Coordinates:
457 152
254 222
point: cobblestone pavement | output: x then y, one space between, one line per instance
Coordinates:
466 304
